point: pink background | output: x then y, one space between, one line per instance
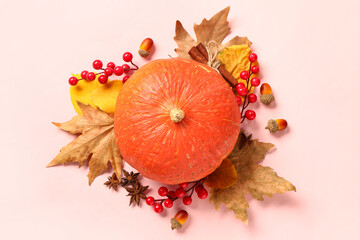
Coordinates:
309 53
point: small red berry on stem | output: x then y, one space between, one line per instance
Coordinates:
150 201
202 193
172 194
108 71
73 81
240 85
250 114
158 208
83 74
238 100
103 79
187 200
163 191
127 57
244 75
255 81
198 188
91 76
252 57
168 203
255 69
242 91
125 78
118 71
126 68
97 64
111 65
183 185
252 98
180 192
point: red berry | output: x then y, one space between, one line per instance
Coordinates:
118 71
108 71
103 79
126 68
83 74
111 65
150 201
91 76
73 81
127 57
125 78
183 185
252 57
180 192
244 75
255 81
163 191
250 114
158 208
240 85
168 203
172 194
97 64
242 91
203 193
187 200
255 69
252 98
238 100
198 188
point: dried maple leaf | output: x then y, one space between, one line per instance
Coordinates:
215 29
223 177
96 142
253 179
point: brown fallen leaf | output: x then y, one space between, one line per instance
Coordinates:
215 29
96 142
253 179
223 177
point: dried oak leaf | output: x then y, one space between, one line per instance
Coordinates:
253 179
215 29
96 142
223 177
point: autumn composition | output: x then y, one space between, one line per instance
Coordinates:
159 119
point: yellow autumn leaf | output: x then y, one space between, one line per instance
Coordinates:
82 92
223 177
235 60
105 96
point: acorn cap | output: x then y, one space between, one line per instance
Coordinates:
143 53
175 224
267 98
272 126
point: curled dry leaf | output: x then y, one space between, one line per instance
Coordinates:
96 142
253 179
215 29
223 177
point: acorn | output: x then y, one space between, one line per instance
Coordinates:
276 125
266 94
179 219
145 47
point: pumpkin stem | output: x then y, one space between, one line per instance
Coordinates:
176 115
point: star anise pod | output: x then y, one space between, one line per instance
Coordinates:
112 182
136 193
243 139
129 178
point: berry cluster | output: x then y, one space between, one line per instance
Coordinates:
243 90
110 69
180 192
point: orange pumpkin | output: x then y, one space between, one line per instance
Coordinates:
176 120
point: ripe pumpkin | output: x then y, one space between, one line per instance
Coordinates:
176 120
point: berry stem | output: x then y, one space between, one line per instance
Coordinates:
246 102
134 65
